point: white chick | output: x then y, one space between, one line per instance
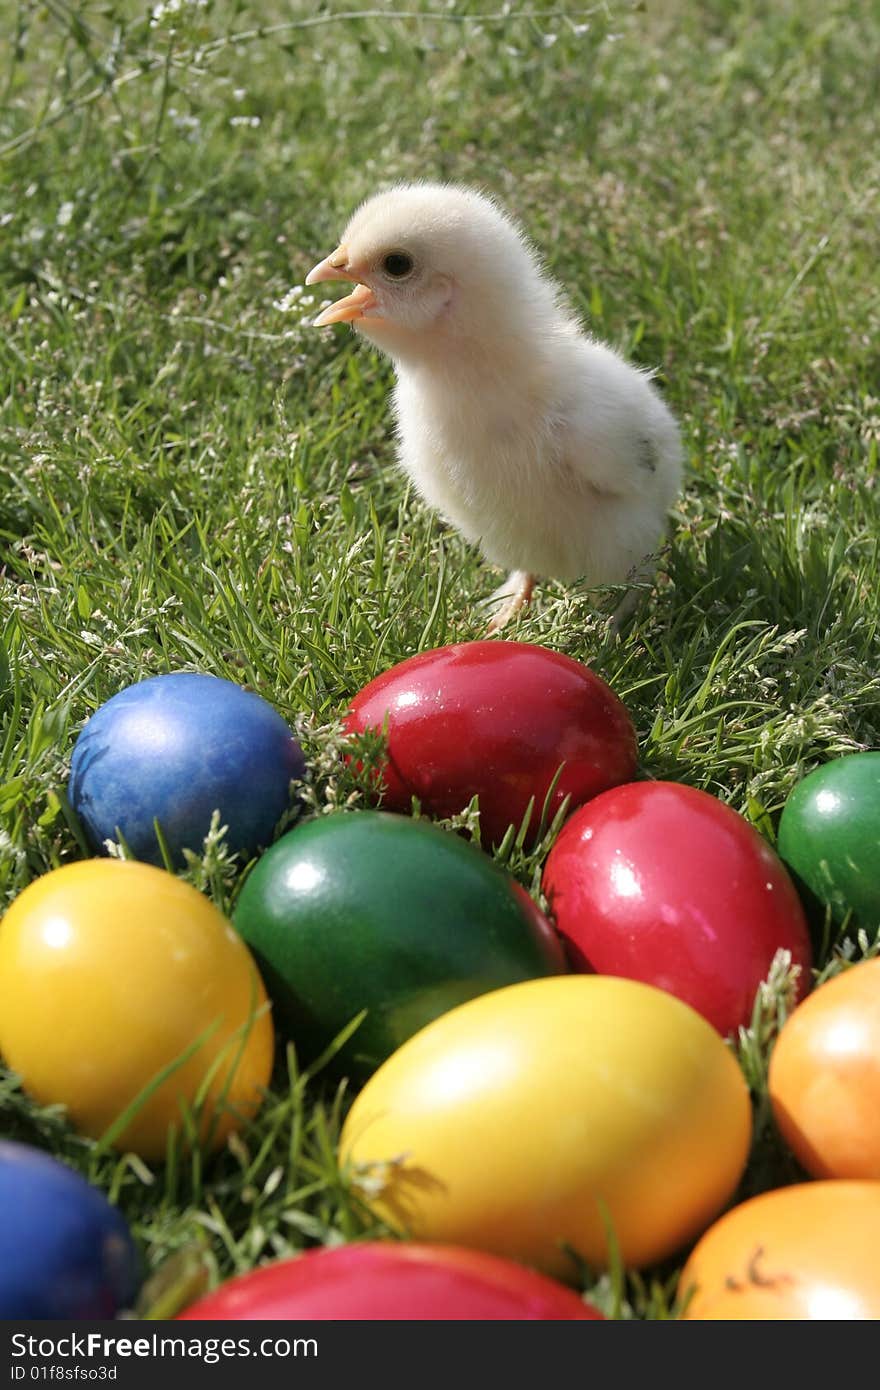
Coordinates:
541 445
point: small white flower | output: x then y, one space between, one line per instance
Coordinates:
65 214
182 121
160 11
290 300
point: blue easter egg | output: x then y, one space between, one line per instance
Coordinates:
175 748
65 1252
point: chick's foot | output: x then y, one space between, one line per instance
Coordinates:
509 599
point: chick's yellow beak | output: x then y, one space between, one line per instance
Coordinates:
354 305
331 268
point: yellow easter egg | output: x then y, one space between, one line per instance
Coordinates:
514 1122
111 974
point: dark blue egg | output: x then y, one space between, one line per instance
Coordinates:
65 1252
175 748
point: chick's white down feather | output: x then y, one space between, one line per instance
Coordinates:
541 445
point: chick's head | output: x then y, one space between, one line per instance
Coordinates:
431 262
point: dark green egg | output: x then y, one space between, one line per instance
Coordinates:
367 910
829 837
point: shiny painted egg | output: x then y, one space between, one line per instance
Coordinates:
115 975
373 911
496 720
824 1077
807 1252
65 1252
829 835
393 1282
176 748
521 1121
663 883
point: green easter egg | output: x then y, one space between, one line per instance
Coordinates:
368 910
829 837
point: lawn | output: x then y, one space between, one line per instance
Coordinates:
192 477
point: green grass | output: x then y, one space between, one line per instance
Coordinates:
191 477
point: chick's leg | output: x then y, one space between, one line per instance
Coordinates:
624 611
509 599
640 577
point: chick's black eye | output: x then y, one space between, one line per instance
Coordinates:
398 264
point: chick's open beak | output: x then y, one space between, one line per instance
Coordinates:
354 305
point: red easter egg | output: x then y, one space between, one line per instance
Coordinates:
398 1282
497 720
663 883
